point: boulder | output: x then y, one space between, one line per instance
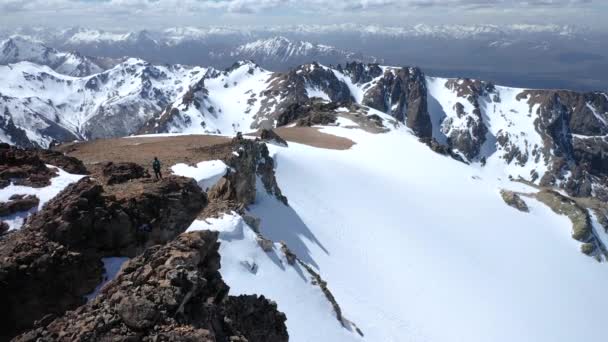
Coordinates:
116 173
514 200
18 203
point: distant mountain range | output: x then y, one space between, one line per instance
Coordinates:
527 56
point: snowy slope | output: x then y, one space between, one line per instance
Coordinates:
504 115
421 261
414 246
116 102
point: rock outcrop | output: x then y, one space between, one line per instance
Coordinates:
292 88
4 227
402 93
270 136
66 163
18 203
170 293
23 167
250 161
116 173
514 200
54 260
83 217
467 131
39 278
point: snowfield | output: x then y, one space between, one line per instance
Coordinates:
415 247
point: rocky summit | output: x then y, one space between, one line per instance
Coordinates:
170 293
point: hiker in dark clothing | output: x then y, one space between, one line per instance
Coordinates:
156 168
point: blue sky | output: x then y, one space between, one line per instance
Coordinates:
163 13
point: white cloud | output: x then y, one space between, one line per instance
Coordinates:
259 11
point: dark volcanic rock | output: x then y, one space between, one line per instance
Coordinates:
23 167
18 203
116 173
170 293
39 277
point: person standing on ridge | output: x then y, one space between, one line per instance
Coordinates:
156 168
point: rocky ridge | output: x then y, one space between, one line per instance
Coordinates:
61 246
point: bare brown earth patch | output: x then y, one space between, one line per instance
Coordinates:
312 136
189 149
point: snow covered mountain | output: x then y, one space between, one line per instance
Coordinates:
402 235
280 50
18 49
550 137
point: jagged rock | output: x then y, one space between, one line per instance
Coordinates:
291 88
116 173
66 163
264 243
252 160
18 203
39 277
83 217
170 293
4 227
84 223
23 167
445 150
402 93
514 200
309 112
361 73
467 131
269 135
257 318
289 255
